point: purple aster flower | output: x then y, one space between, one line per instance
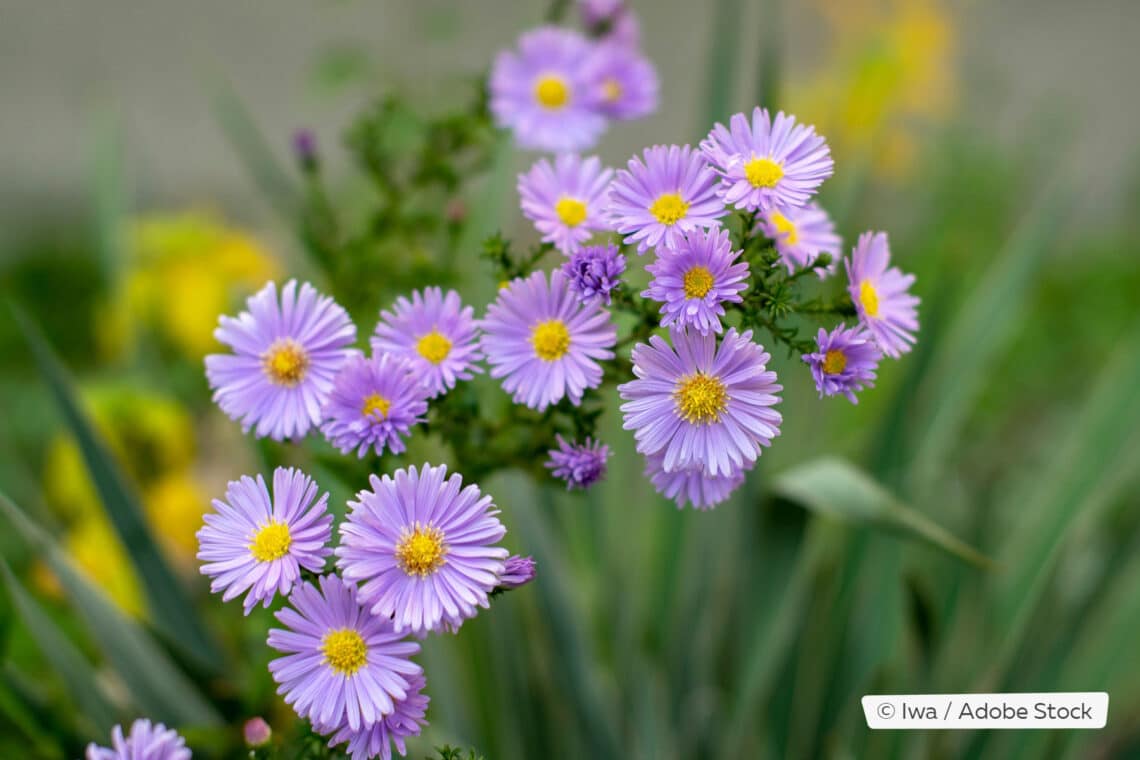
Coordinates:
882 295
579 464
801 235
423 548
768 164
376 740
700 404
435 333
595 271
517 571
671 192
373 404
542 92
341 664
845 362
260 543
146 741
624 81
695 280
286 355
691 485
544 343
566 200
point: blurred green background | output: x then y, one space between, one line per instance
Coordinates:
146 157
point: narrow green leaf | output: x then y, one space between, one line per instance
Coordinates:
768 57
255 154
723 62
154 682
834 487
168 601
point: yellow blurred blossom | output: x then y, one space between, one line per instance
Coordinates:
174 507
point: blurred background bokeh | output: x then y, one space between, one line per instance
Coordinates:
141 145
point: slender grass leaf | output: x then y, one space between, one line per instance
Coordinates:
834 487
168 600
65 658
256 155
154 682
19 713
723 62
768 57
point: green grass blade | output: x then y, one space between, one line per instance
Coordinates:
723 63
834 487
255 154
168 601
76 673
154 683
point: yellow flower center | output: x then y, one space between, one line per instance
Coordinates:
421 551
698 282
551 91
551 340
376 406
763 172
345 650
669 208
272 541
285 363
834 362
784 226
869 297
571 211
433 347
611 90
700 398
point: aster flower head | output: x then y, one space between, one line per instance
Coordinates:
285 355
542 92
340 664
700 404
672 191
844 362
544 342
517 571
882 295
435 333
691 485
595 271
257 542
146 741
566 199
801 235
766 163
374 404
423 547
694 280
376 740
579 464
624 81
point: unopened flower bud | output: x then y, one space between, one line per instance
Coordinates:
518 571
256 732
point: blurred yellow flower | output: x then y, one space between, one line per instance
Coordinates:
174 507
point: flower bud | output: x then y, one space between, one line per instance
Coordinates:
256 732
518 571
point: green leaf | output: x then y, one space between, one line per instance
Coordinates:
154 682
65 658
168 601
836 488
255 154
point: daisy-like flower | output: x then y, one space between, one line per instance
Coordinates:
565 200
146 741
542 92
801 235
260 543
373 404
376 740
286 354
691 485
423 547
882 295
341 664
435 333
517 571
544 343
624 81
845 361
700 404
768 163
671 192
579 464
595 271
694 280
